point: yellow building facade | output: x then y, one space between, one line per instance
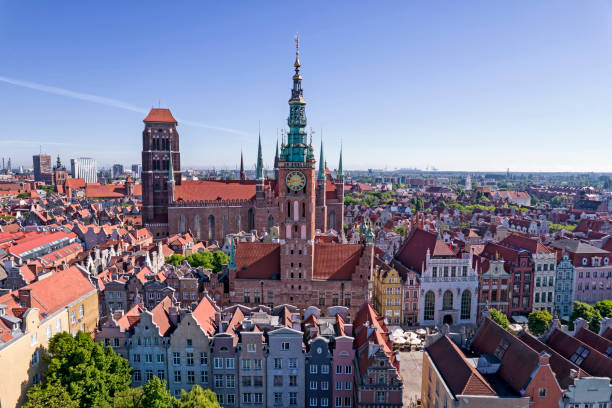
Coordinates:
387 297
30 316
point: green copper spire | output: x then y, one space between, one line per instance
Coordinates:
321 164
232 256
297 148
340 172
260 172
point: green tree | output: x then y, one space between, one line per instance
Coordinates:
604 307
538 321
51 395
588 313
220 258
499 318
198 398
130 398
91 374
556 201
175 259
202 259
156 395
401 230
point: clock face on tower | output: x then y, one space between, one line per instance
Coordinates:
295 180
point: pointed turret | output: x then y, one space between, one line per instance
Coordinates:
297 148
260 171
340 172
321 175
243 175
232 256
276 155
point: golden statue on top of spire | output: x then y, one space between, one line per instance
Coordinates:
297 51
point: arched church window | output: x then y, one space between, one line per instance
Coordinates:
251 219
211 227
466 304
428 309
447 300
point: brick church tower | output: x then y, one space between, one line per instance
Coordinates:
297 188
160 140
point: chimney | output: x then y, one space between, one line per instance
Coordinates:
174 315
544 358
25 297
580 323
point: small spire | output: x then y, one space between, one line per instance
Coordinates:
297 54
243 176
232 257
340 173
260 173
321 163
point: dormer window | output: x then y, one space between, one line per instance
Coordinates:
584 261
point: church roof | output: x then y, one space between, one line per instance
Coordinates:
258 260
195 190
335 261
160 116
332 261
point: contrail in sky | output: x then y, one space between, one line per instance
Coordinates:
104 101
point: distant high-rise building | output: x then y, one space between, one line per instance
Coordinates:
468 183
137 170
42 168
85 168
117 170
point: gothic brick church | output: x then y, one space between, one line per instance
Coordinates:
303 268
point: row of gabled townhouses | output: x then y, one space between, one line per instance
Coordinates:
260 357
431 282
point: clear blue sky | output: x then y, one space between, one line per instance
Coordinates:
469 85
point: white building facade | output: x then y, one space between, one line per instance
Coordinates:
85 168
545 264
449 291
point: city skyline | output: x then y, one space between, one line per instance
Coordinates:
515 89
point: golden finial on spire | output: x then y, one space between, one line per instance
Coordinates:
297 51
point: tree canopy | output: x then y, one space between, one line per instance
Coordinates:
588 313
604 307
499 318
538 321
205 259
90 374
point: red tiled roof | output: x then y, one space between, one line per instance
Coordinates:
196 190
335 261
204 314
560 365
595 363
518 362
460 376
519 242
161 316
97 190
31 242
50 294
414 251
594 340
607 333
257 260
75 183
129 319
160 115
